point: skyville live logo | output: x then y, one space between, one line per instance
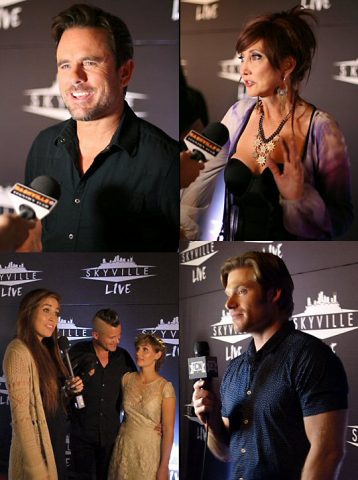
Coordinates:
195 255
205 9
353 435
13 275
117 271
10 18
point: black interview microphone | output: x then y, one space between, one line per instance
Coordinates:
64 345
36 200
202 366
207 144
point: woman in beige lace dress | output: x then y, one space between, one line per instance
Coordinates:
148 400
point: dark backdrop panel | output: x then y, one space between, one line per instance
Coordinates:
325 276
200 261
208 37
95 282
148 304
27 56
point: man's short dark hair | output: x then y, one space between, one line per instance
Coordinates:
270 272
108 316
81 15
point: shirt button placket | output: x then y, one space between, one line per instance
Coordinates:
77 202
245 422
101 400
77 199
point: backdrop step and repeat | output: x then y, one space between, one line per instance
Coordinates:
144 288
208 33
326 305
141 287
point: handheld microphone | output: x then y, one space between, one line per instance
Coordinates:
37 200
202 366
207 144
64 345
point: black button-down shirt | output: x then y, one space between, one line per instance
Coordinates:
102 394
128 200
266 394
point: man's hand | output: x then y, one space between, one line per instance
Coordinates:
204 401
74 386
207 408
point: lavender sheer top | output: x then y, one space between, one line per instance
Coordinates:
325 210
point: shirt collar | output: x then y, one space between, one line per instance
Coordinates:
272 343
110 354
127 134
125 137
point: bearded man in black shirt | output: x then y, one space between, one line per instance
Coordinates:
119 175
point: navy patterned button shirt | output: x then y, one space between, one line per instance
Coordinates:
265 396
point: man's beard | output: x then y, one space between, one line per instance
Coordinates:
95 113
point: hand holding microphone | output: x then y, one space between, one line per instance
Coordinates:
22 231
74 384
204 401
206 404
32 203
204 368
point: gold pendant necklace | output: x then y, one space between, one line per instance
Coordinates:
264 146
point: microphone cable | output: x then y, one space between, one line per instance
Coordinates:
206 434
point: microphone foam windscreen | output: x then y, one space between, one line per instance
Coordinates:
46 185
63 343
201 349
217 133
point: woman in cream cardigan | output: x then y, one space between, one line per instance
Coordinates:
34 373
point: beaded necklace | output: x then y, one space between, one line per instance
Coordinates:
264 146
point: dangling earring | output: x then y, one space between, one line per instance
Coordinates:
282 96
258 105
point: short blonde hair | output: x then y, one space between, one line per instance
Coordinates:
156 342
